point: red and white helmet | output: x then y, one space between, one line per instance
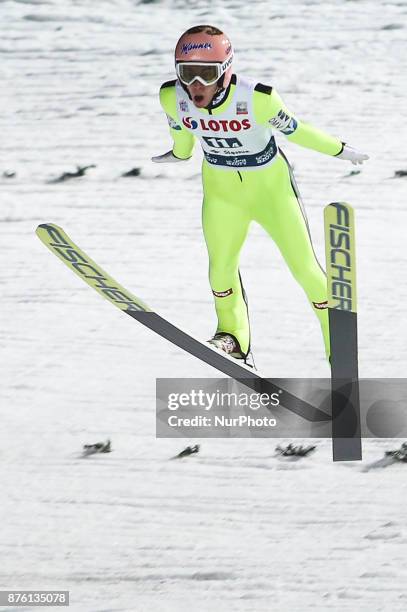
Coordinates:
205 54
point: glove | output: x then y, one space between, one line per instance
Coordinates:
350 154
168 157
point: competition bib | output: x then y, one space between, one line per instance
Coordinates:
231 139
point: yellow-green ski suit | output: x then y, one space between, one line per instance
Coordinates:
249 190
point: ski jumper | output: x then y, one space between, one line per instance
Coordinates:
246 177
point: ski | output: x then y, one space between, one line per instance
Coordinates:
342 307
79 262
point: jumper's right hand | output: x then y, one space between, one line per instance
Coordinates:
168 157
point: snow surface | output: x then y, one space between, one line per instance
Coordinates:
232 528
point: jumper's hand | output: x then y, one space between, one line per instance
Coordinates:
350 154
168 157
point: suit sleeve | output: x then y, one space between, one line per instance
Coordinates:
270 108
183 141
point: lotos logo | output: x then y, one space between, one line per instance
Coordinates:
214 125
187 47
190 123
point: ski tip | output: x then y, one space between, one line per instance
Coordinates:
336 204
339 212
47 225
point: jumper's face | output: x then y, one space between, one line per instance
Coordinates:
202 94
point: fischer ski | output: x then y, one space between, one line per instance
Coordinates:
78 261
341 279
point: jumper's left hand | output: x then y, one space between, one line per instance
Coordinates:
351 154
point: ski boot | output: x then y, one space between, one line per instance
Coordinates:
230 345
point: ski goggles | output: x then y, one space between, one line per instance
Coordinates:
206 73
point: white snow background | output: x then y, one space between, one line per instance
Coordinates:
233 528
